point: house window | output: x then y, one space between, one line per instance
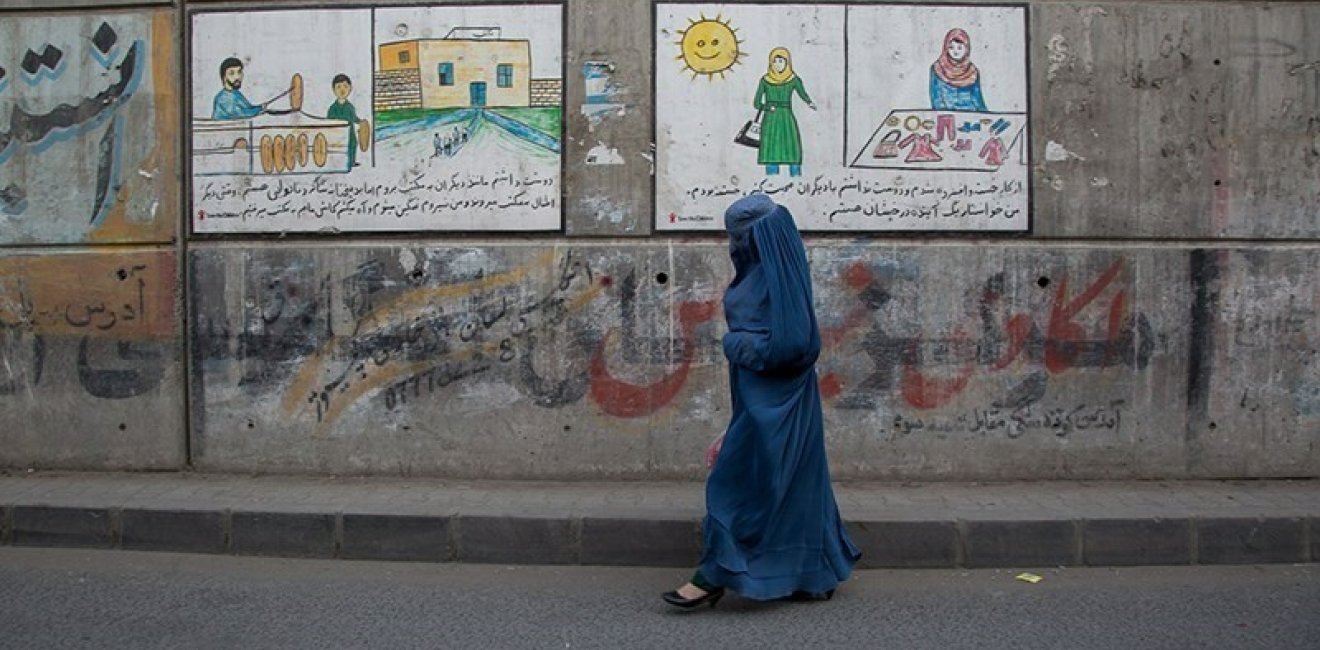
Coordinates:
404 57
446 74
504 75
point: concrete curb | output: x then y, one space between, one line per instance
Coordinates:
657 542
64 527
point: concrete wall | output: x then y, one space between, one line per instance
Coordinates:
1158 321
91 346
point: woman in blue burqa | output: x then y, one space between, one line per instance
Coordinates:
772 527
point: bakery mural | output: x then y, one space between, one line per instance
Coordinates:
856 116
377 119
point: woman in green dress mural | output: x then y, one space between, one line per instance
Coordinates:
781 142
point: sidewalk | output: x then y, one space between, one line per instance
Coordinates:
657 524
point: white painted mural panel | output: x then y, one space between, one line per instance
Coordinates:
858 117
377 119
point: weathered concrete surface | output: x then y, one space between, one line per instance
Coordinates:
1143 356
90 360
641 523
605 194
476 360
89 128
19 5
1256 408
492 360
1176 120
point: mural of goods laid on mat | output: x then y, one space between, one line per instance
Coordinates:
858 117
377 119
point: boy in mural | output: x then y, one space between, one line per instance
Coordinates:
342 109
230 104
781 141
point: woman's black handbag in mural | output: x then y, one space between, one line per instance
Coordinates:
750 134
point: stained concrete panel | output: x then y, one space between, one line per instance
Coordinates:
545 359
90 360
1259 412
1176 120
565 361
19 5
89 109
480 360
609 154
1009 362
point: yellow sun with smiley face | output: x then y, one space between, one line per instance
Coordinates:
709 46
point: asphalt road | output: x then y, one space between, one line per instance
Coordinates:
58 598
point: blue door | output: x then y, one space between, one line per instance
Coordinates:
477 90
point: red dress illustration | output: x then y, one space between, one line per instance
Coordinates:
923 150
993 152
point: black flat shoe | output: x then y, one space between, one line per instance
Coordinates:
713 596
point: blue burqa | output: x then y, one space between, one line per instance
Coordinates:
772 526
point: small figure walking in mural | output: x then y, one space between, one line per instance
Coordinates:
230 104
955 82
342 109
781 142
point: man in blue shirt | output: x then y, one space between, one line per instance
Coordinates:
230 104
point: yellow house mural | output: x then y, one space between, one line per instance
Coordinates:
469 67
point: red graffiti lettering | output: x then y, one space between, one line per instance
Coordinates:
830 386
856 276
832 336
627 400
1062 334
1060 346
1019 330
927 393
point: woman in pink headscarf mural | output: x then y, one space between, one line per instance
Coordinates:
955 83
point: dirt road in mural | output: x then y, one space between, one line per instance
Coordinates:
464 137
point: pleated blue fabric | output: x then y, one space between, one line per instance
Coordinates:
772 526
